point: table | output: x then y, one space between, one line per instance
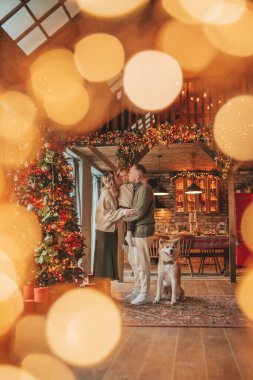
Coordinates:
211 246
206 246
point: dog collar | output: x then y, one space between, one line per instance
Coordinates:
167 262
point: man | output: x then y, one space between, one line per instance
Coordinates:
143 216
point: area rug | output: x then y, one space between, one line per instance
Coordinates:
195 311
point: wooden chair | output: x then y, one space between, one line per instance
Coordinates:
185 249
153 249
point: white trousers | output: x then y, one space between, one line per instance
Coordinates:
139 259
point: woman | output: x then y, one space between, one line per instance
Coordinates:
107 216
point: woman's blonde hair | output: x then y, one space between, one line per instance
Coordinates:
109 182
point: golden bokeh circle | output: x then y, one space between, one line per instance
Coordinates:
247 225
152 80
187 44
244 292
111 8
233 128
86 333
99 57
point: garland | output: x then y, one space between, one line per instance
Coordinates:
131 143
197 174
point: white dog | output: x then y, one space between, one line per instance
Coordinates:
169 272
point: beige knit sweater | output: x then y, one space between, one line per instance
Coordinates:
107 214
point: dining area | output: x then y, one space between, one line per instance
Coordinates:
198 252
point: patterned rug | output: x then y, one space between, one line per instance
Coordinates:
195 311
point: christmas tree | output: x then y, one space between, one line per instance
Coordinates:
44 187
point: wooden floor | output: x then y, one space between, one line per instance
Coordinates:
156 353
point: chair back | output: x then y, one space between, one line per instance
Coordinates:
185 246
154 248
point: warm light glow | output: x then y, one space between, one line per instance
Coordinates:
152 80
111 8
7 267
175 9
244 294
46 367
235 39
15 152
20 234
53 71
219 12
69 107
11 303
99 57
26 329
233 128
87 332
17 113
58 86
8 372
187 44
246 227
2 183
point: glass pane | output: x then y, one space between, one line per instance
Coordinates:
39 8
18 23
7 6
55 21
72 7
32 40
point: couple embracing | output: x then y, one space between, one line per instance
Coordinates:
142 216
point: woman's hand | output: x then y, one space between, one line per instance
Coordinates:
130 212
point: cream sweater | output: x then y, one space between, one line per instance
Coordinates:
107 214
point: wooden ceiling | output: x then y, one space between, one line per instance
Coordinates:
178 157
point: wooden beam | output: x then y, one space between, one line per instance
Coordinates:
142 154
232 228
82 156
102 157
236 165
207 150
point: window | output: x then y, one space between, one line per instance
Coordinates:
31 23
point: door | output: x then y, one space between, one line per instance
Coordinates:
242 200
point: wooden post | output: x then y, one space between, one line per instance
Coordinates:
232 228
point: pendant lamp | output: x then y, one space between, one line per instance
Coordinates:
193 188
159 189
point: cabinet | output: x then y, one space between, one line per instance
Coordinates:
207 202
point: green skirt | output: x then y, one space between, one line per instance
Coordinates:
106 255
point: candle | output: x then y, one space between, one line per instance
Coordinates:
190 217
195 216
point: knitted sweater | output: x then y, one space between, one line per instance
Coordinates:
107 214
143 207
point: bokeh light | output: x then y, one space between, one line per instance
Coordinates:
111 8
175 9
87 332
20 234
235 39
2 183
247 226
99 57
7 267
68 108
26 329
152 80
244 294
215 11
233 128
58 86
46 367
16 152
17 114
11 303
8 372
187 44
